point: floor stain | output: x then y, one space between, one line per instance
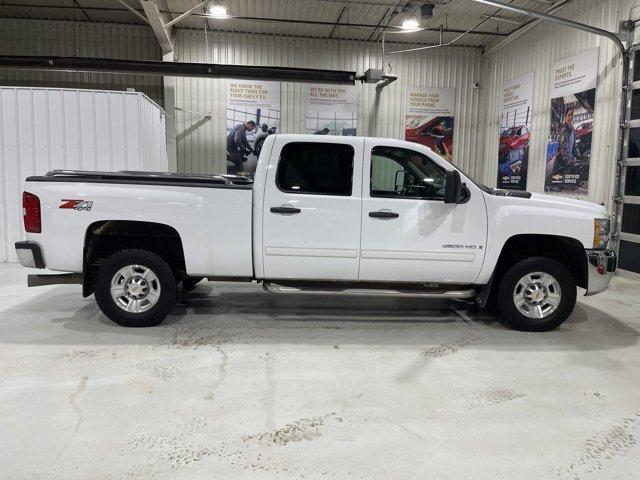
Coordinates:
490 396
618 440
268 400
222 374
159 370
445 350
78 354
82 386
303 429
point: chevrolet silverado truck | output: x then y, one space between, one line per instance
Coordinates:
326 215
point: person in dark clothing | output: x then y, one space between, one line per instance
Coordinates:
567 150
324 131
237 144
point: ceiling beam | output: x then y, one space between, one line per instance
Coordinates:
128 7
157 21
335 26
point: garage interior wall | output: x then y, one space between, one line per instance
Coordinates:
80 39
536 51
201 141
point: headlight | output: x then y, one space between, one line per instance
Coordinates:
601 232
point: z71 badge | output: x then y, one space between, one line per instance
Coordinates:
79 205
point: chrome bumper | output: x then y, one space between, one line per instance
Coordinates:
30 254
601 267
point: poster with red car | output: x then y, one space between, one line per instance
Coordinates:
573 96
429 118
515 132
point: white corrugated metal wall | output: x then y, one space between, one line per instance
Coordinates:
201 141
537 51
42 129
80 39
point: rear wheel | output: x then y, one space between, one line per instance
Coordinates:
136 288
537 294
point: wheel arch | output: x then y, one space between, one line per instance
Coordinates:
105 237
566 250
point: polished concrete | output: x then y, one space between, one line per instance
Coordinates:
239 384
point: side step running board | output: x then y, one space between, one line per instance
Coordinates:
59 279
371 292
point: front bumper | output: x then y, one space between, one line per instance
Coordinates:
601 267
30 254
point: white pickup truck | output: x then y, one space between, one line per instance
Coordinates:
324 214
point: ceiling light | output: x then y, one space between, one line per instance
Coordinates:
410 23
217 10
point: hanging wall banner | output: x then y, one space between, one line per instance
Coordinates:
515 132
573 95
429 118
331 109
250 101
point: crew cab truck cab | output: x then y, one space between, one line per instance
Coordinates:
341 215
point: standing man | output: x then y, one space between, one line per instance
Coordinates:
566 142
238 145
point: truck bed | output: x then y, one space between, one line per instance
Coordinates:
211 214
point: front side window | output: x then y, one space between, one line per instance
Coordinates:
402 173
316 168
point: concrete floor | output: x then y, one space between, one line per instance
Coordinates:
243 384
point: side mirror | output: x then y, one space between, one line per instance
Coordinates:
453 187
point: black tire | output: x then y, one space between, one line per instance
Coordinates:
257 148
167 282
189 283
519 320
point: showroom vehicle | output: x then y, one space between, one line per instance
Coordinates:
513 138
325 214
436 133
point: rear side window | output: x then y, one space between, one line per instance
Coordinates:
316 168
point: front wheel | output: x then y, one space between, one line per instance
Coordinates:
537 294
136 288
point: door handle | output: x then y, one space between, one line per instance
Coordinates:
285 210
383 214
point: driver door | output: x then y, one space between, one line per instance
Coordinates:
408 233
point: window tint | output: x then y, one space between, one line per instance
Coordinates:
402 173
319 168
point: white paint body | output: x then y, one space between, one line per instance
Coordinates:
232 232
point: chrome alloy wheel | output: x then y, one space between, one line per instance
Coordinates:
135 288
537 295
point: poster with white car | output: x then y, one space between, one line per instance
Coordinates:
515 131
249 101
429 118
573 96
331 110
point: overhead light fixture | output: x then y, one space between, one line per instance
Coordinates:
410 23
216 10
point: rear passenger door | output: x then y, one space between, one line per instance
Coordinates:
311 213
